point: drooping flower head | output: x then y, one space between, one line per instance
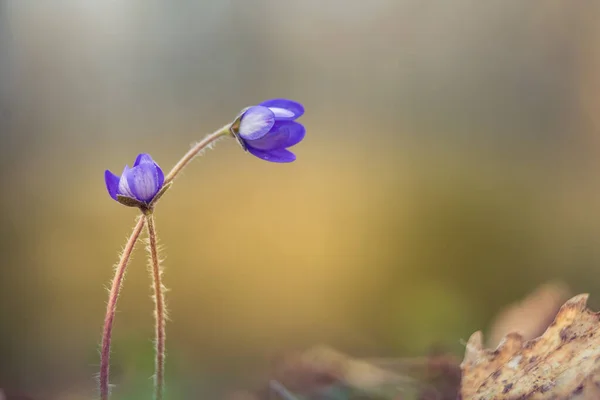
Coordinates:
268 129
140 183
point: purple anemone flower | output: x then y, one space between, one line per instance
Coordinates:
268 129
141 182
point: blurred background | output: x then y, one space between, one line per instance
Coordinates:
451 165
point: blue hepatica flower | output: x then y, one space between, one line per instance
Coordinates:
141 182
268 129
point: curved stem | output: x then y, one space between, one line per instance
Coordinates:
159 311
156 274
194 151
111 308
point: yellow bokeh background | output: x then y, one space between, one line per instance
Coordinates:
450 166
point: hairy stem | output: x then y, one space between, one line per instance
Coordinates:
194 151
111 308
156 275
159 310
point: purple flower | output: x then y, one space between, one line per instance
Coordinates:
140 183
268 129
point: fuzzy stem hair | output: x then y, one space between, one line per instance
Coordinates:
159 308
195 151
111 308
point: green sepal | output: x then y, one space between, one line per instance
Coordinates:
130 202
160 193
234 129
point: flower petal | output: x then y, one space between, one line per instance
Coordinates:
143 159
160 176
256 122
124 189
284 109
278 156
112 183
283 134
143 181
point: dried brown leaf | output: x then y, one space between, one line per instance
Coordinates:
531 316
563 363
